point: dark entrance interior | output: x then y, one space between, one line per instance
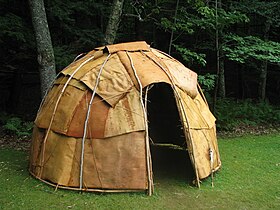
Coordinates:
170 158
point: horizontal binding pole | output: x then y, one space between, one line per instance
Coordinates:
171 146
88 190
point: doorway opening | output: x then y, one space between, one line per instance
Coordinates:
170 157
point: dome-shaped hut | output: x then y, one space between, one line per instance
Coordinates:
92 129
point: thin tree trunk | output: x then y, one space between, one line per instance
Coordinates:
220 80
262 81
44 44
155 44
242 82
172 32
221 76
263 68
113 23
220 57
217 57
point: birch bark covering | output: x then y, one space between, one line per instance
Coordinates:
113 153
113 23
44 44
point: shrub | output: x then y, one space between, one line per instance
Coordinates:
15 125
231 114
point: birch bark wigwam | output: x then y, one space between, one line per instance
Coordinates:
103 144
45 52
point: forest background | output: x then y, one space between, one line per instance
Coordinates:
233 46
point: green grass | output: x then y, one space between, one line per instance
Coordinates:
249 179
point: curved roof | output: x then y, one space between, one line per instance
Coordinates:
66 105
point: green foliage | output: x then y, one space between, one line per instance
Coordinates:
197 20
197 17
16 39
3 118
241 49
207 81
16 126
12 26
227 19
264 11
166 23
76 27
231 114
191 57
63 59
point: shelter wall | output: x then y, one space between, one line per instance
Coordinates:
112 163
200 131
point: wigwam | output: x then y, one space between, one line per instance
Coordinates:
92 129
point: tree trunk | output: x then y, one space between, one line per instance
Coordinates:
220 57
263 68
262 81
217 44
221 76
113 23
44 45
172 32
242 82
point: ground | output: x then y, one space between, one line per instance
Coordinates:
12 141
243 130
248 179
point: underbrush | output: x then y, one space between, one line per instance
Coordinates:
232 114
14 125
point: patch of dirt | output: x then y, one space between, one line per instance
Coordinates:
12 141
250 130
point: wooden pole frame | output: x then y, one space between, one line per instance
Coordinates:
56 186
54 112
148 152
179 101
87 119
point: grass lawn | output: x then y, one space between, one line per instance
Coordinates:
249 179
